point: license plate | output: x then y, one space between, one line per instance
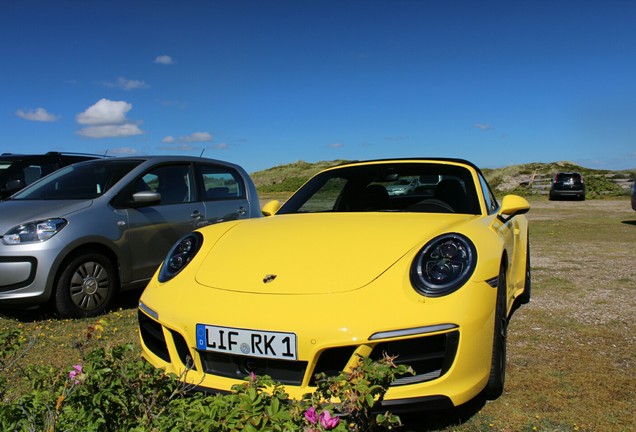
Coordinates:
253 343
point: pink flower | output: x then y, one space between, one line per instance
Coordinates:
73 374
328 422
310 415
252 377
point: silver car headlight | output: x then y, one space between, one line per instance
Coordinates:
32 232
180 256
443 265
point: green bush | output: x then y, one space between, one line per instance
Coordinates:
114 390
597 186
285 185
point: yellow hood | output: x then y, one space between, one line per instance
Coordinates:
315 253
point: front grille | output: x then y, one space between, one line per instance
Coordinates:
152 335
183 350
238 367
430 356
332 361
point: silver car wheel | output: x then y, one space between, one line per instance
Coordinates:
89 285
86 286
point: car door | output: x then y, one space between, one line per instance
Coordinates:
224 193
152 230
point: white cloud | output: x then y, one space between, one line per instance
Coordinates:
221 146
184 143
197 137
105 112
38 114
107 119
111 131
179 147
164 59
127 84
122 151
335 145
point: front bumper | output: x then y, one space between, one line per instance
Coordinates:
431 355
450 351
27 272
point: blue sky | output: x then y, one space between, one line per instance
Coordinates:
268 82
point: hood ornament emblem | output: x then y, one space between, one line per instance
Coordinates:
269 278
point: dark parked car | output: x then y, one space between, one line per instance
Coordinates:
634 195
567 185
20 170
93 228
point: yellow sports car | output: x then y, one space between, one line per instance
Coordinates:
341 269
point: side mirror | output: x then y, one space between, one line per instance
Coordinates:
144 198
14 185
271 208
513 205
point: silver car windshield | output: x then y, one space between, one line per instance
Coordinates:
78 182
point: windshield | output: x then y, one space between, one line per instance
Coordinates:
372 188
4 166
78 182
569 177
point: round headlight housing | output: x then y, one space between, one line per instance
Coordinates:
180 256
443 265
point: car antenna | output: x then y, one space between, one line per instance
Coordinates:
201 155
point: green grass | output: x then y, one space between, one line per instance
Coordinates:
571 352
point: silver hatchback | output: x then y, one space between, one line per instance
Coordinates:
86 231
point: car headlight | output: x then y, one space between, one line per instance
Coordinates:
180 256
443 265
32 232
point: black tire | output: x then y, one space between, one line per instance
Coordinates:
497 378
524 298
86 286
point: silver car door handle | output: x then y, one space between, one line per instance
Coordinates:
196 214
241 211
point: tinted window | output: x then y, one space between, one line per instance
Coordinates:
173 182
221 183
568 177
83 181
